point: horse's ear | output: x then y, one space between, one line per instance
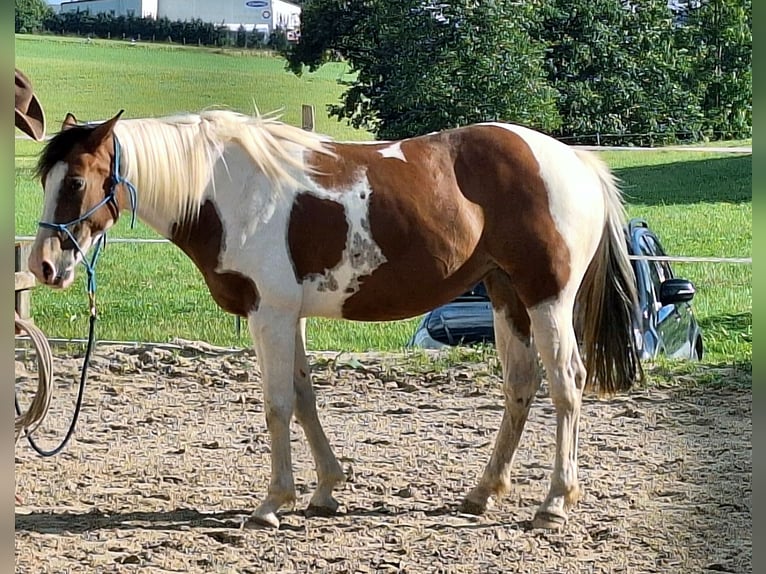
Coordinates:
69 121
105 129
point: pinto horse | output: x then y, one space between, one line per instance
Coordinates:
285 224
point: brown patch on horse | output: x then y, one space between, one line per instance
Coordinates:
344 166
505 299
467 201
311 218
495 168
202 239
426 229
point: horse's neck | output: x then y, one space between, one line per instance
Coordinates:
160 225
219 170
150 188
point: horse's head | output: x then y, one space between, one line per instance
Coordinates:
82 198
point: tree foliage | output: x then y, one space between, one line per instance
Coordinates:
105 25
573 68
30 15
620 67
419 68
664 106
719 36
617 69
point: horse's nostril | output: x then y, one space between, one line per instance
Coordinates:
47 271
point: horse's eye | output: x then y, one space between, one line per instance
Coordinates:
77 184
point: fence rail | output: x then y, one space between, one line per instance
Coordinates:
23 280
23 306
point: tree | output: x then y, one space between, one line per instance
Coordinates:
257 39
419 67
719 36
277 40
241 41
30 15
666 107
617 69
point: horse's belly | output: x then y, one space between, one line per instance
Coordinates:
324 294
396 291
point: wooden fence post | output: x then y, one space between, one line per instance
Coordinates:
307 117
24 280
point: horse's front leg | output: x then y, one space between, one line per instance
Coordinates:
274 332
329 471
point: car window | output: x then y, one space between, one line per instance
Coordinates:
655 271
659 271
663 270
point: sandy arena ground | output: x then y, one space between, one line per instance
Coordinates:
171 454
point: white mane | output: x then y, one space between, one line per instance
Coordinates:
170 160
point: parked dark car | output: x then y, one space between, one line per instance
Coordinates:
668 325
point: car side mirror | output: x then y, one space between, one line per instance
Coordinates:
676 291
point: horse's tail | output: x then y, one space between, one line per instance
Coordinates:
607 298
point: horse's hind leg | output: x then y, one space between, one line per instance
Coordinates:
556 341
329 471
521 379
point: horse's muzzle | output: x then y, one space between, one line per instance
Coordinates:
51 265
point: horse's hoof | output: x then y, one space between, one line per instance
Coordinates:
548 520
469 506
258 522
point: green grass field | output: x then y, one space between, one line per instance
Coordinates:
95 80
700 203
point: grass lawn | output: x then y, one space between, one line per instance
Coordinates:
95 80
700 203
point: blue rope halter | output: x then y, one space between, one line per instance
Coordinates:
117 179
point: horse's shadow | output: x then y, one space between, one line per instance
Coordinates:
79 522
73 522
433 516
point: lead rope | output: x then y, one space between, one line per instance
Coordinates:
83 375
38 408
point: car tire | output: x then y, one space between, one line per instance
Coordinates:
697 351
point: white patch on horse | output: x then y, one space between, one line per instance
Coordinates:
325 293
48 244
53 183
393 151
254 224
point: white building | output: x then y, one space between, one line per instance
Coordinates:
138 8
263 15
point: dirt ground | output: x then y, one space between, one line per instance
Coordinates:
171 454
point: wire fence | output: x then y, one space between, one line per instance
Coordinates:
651 138
669 258
599 141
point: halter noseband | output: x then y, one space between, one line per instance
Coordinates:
117 179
